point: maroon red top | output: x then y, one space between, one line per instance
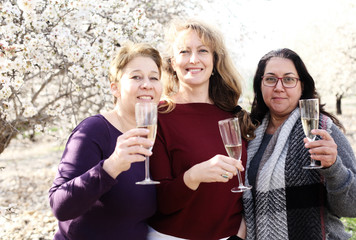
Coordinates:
186 136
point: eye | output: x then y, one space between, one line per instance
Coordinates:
288 79
154 78
136 77
183 51
204 50
270 79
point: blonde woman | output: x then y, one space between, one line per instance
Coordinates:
196 175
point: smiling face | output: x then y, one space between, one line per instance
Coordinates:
139 82
281 101
192 60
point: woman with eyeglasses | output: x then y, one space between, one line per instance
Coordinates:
287 201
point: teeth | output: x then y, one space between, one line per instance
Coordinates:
145 97
194 70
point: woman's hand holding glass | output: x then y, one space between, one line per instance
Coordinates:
146 118
309 113
220 168
231 136
323 150
132 146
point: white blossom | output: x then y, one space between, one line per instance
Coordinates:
29 110
5 92
27 5
59 52
38 128
17 83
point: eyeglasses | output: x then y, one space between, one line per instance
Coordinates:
287 82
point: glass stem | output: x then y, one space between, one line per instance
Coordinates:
147 168
312 162
239 178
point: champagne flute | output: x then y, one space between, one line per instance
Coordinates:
231 136
146 117
309 113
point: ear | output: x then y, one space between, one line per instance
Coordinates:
115 89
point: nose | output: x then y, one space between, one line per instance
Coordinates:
279 85
146 83
194 58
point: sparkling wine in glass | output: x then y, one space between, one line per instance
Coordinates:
309 113
146 117
231 136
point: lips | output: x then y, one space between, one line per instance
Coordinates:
277 99
194 70
145 97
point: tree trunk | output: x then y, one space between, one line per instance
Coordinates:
338 103
7 133
9 130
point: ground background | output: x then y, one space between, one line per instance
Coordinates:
28 169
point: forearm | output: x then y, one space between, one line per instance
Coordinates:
341 189
340 178
70 198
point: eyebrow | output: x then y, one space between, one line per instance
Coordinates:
283 74
200 46
139 71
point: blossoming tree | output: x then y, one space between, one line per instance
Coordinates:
330 51
54 57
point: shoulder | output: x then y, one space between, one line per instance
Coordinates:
327 124
96 120
344 147
93 125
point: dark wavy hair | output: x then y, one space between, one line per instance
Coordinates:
259 107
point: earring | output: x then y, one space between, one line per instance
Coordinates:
213 72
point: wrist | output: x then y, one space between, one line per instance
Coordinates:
190 180
110 169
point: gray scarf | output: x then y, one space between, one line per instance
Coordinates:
274 213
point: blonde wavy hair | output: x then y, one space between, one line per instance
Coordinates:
225 83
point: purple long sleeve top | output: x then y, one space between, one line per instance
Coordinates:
89 203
